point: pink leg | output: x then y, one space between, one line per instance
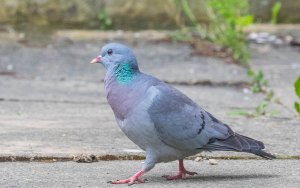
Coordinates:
181 174
131 180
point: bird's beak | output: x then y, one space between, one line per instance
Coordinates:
96 60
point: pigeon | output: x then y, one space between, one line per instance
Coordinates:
160 119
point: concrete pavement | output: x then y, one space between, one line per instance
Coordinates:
228 173
52 105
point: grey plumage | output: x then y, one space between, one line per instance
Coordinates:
160 119
184 125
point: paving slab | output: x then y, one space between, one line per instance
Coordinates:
67 57
281 68
234 173
88 92
52 101
64 136
65 118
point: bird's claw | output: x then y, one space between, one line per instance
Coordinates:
129 181
191 173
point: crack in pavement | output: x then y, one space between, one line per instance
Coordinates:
209 83
85 158
48 101
201 82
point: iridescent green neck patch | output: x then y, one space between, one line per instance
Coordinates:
125 73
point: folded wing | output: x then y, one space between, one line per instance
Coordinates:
181 123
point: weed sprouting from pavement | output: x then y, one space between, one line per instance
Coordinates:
275 11
227 20
225 26
181 36
260 110
297 91
258 81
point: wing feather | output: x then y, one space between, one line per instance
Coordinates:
181 123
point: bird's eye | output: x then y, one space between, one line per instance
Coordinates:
109 52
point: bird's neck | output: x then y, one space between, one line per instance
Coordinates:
124 73
120 88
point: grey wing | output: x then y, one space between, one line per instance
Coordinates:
181 123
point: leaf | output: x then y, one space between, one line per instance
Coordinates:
297 107
250 72
270 95
255 88
265 82
188 11
239 113
260 75
275 11
245 21
297 87
261 108
274 113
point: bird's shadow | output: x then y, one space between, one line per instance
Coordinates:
230 177
224 177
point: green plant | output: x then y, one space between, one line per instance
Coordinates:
227 20
240 112
297 91
104 19
275 11
181 35
258 81
260 110
186 9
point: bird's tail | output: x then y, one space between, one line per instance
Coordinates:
239 143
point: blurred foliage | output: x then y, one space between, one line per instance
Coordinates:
128 14
104 20
258 81
297 91
227 20
240 112
275 11
182 35
260 110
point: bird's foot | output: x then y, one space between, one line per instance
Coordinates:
129 181
133 179
180 175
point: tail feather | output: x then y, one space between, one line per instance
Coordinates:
239 143
263 154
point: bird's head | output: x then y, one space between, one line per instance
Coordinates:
115 55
